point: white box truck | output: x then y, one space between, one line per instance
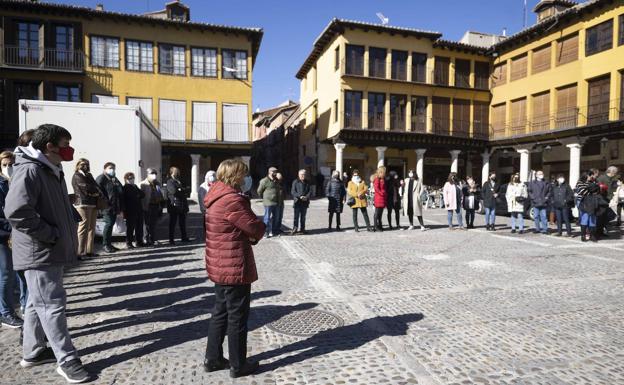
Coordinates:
100 133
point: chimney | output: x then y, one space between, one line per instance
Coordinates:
547 8
99 7
505 31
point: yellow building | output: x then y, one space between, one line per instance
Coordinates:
557 91
194 80
374 94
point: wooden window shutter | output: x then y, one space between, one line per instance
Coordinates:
519 67
518 116
540 121
567 49
541 59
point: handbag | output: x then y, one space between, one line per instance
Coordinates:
351 201
520 199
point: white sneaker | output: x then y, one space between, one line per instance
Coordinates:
423 228
270 235
411 228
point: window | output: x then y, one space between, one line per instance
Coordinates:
461 117
337 58
462 73
172 119
499 117
235 123
567 110
171 59
518 116
28 91
376 111
567 49
518 67
399 65
621 30
67 93
598 100
398 104
204 121
27 43
480 120
335 111
104 99
144 103
353 109
139 56
376 62
441 115
499 76
204 62
235 65
540 121
482 75
63 43
355 60
419 67
441 71
541 59
621 94
104 52
419 114
599 38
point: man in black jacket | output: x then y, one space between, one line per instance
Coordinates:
177 205
133 212
300 192
113 192
490 195
563 200
540 194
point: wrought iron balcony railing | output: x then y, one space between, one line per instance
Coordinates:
43 58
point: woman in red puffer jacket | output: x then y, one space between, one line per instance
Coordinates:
379 199
231 229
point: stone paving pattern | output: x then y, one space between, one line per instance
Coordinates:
437 307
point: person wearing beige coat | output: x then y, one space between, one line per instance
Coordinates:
356 199
515 195
411 193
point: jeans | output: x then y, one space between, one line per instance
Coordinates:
134 228
300 217
541 219
229 315
620 206
176 215
587 219
278 219
107 233
21 279
151 218
517 219
270 218
449 217
490 216
45 315
563 216
470 217
7 281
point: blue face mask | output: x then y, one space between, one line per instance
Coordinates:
246 184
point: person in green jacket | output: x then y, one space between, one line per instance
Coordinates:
269 190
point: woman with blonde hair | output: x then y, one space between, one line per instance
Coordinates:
380 196
86 192
231 229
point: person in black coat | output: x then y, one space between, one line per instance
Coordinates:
393 198
563 200
177 205
336 193
113 192
472 195
133 211
489 193
300 192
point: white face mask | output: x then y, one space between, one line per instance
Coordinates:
356 179
247 182
151 177
7 170
411 174
561 180
540 177
211 178
110 172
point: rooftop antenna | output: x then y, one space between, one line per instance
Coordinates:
525 15
384 20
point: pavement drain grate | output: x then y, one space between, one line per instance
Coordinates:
306 323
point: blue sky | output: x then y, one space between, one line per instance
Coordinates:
290 27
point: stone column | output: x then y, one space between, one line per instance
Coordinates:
575 163
455 160
485 169
339 149
468 166
246 160
194 175
381 157
420 162
525 164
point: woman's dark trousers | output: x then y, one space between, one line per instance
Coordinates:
229 316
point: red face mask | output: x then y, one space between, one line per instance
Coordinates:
66 153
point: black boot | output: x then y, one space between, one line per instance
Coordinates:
583 231
331 216
338 221
592 234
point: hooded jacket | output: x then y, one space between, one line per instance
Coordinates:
39 210
5 226
204 188
230 223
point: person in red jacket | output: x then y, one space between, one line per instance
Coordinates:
380 196
231 229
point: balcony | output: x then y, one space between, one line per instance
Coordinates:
49 59
203 131
441 76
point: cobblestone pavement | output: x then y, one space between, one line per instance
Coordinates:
398 307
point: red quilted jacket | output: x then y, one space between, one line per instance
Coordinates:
379 199
230 223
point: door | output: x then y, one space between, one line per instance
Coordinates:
598 103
